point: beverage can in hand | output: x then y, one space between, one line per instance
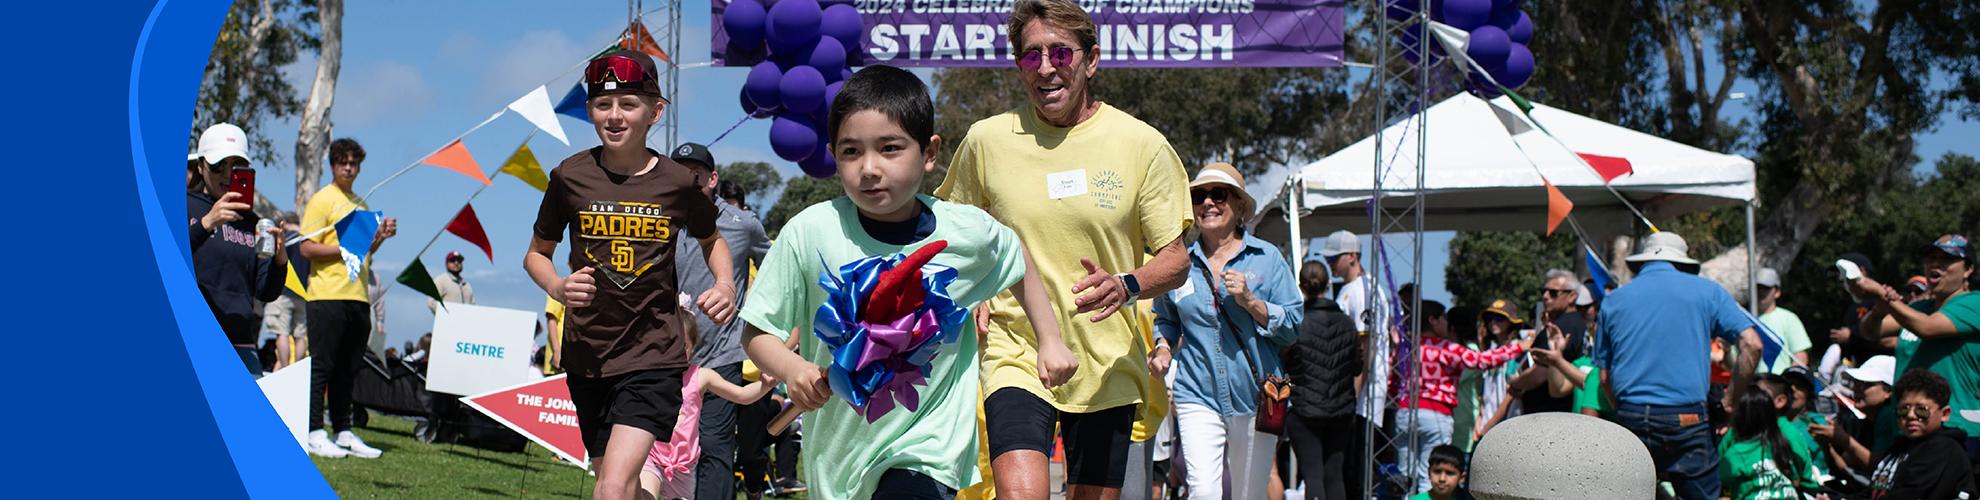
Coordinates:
264 246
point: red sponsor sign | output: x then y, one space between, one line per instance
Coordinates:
541 410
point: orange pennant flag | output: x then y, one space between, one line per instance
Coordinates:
637 38
1558 206
455 157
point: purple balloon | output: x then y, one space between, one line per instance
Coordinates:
1464 14
828 57
762 83
1521 30
832 95
841 22
1488 47
1500 4
743 20
1503 17
802 90
846 75
829 3
793 23
754 110
821 164
1519 67
793 137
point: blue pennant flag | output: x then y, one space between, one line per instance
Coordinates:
573 103
1599 273
354 235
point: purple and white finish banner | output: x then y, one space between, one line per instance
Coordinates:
1133 33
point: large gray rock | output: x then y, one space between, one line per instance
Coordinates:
1562 455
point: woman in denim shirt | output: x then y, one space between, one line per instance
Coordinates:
1240 295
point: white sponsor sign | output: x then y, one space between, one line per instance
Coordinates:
288 391
477 349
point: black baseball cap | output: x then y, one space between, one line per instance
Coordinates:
694 156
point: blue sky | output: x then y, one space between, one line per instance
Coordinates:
416 74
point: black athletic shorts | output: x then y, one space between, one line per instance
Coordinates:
1096 443
649 400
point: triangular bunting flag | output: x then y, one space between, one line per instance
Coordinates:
354 234
455 157
1609 167
1599 273
468 227
637 38
573 104
298 279
1558 206
535 107
416 278
523 165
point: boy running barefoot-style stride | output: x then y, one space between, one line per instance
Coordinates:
624 334
882 135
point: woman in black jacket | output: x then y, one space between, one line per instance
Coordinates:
222 234
1323 363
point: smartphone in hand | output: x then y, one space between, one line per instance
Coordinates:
241 181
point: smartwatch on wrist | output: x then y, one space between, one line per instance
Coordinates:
1132 285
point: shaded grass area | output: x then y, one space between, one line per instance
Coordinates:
411 469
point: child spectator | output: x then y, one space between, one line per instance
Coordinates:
1447 472
669 469
1759 458
1443 360
1929 460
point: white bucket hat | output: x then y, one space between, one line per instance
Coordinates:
1663 246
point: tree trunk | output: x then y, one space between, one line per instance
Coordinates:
313 139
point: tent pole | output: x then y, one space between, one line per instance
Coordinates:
1295 244
1752 264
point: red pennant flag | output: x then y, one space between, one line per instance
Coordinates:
637 38
1558 206
1609 167
468 227
455 157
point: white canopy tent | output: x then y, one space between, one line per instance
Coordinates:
1480 174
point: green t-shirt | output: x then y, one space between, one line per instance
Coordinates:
1788 325
1465 416
1956 358
1590 393
1799 430
937 439
1747 469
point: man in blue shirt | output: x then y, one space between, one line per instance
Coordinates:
1653 346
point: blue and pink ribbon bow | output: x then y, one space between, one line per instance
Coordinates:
885 318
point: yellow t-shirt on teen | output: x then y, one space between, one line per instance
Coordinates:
1111 189
329 279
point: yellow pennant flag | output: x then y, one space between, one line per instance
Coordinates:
522 164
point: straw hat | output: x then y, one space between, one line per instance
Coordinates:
1228 176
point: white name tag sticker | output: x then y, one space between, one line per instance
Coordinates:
1065 184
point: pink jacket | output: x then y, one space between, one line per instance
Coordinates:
674 459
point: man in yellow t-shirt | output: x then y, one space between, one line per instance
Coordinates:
339 311
553 328
1090 190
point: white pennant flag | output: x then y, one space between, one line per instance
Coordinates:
535 107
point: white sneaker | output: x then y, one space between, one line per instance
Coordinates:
356 446
320 445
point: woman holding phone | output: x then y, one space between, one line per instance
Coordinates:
223 231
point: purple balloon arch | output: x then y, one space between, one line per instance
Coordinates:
1498 29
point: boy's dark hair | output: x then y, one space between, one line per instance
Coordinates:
1932 385
346 147
893 92
1448 454
1432 309
1775 385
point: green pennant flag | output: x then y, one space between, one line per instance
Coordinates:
416 278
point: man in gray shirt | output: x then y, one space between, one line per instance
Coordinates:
719 347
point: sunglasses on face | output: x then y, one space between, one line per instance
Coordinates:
1061 57
1197 196
619 68
1555 292
1920 412
228 164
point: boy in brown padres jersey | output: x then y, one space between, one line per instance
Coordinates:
624 330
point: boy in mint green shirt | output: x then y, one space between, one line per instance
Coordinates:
911 438
1447 472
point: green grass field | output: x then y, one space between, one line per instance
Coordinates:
411 469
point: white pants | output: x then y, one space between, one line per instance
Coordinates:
1224 457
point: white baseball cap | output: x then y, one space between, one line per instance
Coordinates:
1768 277
1877 369
1339 243
221 141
